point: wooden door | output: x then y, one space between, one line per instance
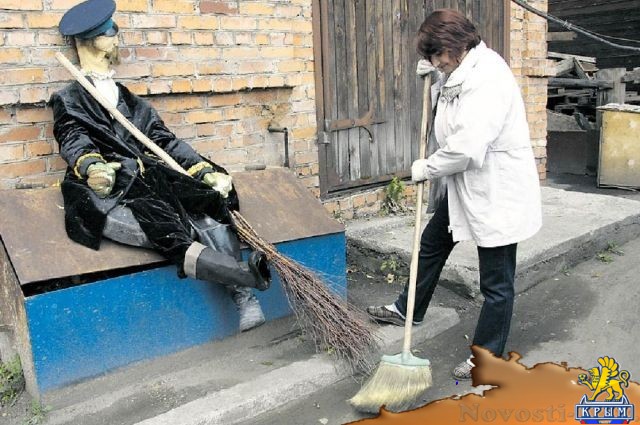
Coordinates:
368 95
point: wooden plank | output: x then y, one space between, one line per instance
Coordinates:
377 85
557 55
563 67
366 59
632 76
387 158
330 96
406 76
351 89
341 86
318 34
561 36
577 66
578 83
397 155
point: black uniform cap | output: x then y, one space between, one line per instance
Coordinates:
88 19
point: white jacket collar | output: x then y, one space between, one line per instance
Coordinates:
460 74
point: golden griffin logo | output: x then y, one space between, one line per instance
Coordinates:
604 379
615 407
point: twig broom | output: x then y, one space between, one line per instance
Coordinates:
333 323
402 378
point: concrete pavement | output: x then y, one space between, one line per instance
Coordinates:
237 379
575 226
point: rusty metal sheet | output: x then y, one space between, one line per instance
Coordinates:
620 147
32 227
280 208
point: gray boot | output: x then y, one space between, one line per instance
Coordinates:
251 315
204 263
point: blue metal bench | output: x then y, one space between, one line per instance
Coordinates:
75 314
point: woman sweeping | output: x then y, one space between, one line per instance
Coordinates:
484 182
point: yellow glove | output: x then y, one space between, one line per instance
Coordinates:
102 176
219 182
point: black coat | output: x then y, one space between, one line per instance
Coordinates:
82 126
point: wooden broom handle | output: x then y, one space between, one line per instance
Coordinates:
413 268
118 116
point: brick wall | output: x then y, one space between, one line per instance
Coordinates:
531 67
219 72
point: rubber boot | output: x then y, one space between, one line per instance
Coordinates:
204 263
251 315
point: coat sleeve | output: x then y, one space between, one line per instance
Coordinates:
478 122
73 138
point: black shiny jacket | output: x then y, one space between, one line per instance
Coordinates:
82 126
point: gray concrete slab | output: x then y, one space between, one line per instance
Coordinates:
575 227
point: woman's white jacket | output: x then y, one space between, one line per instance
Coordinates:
484 153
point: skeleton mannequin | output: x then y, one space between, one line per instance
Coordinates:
114 188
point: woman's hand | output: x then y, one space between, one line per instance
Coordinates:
424 67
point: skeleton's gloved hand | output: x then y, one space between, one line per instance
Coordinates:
424 68
419 170
219 182
101 177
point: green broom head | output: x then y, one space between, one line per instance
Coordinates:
397 384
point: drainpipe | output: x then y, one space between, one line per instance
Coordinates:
284 130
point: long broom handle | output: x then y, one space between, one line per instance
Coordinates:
413 268
118 116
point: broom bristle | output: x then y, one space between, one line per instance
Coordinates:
334 324
395 386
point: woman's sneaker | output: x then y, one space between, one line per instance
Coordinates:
463 370
385 315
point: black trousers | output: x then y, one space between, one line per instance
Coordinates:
164 202
497 276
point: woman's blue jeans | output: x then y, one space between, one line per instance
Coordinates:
497 275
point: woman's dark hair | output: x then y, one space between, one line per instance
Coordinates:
446 29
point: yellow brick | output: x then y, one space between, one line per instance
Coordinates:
222 85
291 66
203 85
156 37
198 22
223 100
262 39
174 6
39 20
211 68
64 4
159 87
247 8
275 24
153 21
22 4
303 133
203 38
240 52
276 52
132 6
11 56
11 20
140 89
171 69
181 86
240 83
22 76
203 116
237 23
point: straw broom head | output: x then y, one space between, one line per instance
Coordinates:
397 384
